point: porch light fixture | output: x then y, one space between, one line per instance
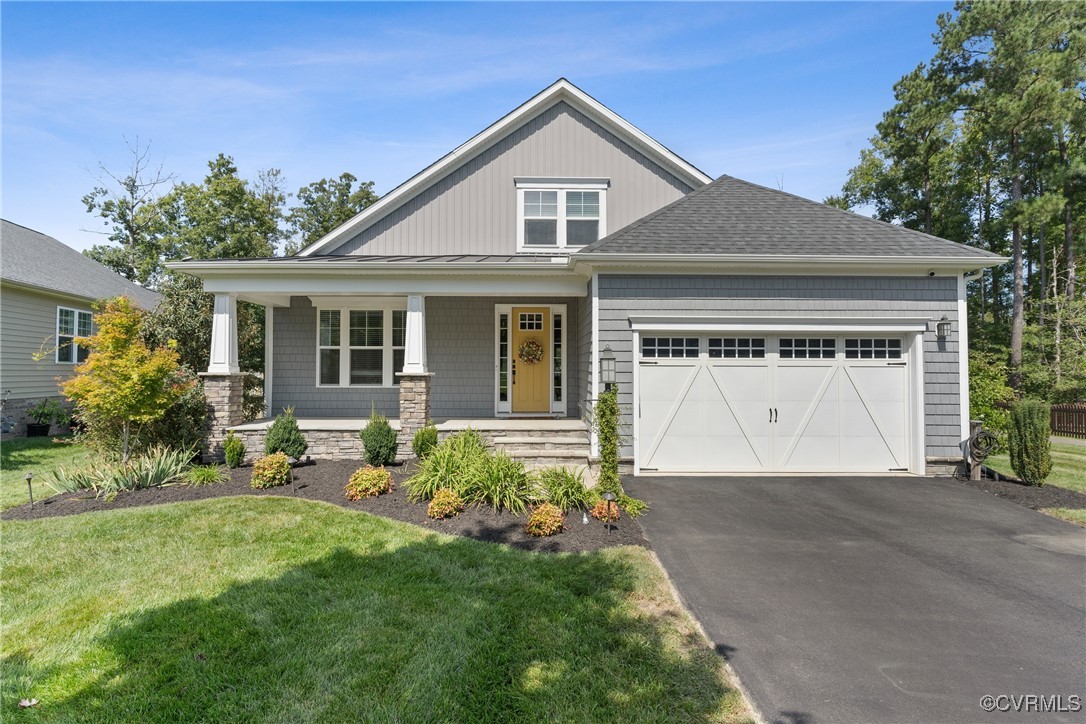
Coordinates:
942 328
30 489
610 498
607 368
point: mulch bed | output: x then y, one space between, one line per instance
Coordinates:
324 480
1031 496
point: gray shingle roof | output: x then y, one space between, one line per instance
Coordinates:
32 258
730 216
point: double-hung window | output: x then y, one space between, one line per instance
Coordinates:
360 347
560 214
72 323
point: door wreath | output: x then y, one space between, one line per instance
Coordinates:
530 352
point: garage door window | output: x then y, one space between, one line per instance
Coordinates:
808 348
669 347
737 347
872 348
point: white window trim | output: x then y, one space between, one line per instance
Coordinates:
561 185
75 347
387 306
505 409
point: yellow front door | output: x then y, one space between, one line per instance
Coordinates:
531 390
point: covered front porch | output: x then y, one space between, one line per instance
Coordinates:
472 348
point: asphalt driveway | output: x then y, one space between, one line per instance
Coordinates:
877 599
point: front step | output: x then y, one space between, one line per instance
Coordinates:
561 442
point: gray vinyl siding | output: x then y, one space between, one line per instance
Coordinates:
621 296
460 355
473 210
28 323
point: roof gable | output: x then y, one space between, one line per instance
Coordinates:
731 217
561 91
33 259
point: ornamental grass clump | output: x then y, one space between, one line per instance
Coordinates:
503 483
368 482
565 489
446 504
233 448
284 436
158 466
1029 441
378 440
456 463
201 475
270 471
546 519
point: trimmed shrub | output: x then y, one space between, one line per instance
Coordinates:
446 504
546 519
424 441
368 482
603 511
270 471
456 463
502 483
565 489
285 437
1029 443
200 475
234 450
378 440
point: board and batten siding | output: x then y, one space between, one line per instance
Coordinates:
460 354
28 324
623 296
473 210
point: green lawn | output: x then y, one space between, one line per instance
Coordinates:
280 609
38 455
1068 466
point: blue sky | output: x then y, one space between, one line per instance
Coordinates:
782 94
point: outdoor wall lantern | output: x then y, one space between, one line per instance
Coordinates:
942 328
607 368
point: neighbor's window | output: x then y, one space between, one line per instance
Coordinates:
353 347
556 218
72 323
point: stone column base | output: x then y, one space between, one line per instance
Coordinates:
414 409
224 394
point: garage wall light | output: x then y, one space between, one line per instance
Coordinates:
942 329
607 368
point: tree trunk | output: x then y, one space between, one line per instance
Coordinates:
1068 218
1042 268
124 442
927 198
1058 337
1018 301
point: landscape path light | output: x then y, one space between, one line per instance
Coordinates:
610 498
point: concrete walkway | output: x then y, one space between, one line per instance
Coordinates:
876 599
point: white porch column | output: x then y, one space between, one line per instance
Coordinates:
224 336
269 343
414 354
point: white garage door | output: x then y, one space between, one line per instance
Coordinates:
774 404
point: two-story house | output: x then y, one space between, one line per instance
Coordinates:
749 329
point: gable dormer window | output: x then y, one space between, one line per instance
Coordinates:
560 214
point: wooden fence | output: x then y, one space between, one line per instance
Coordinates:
1069 420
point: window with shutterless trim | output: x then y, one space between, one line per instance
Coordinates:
360 347
72 323
553 214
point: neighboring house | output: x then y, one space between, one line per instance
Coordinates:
47 290
751 330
